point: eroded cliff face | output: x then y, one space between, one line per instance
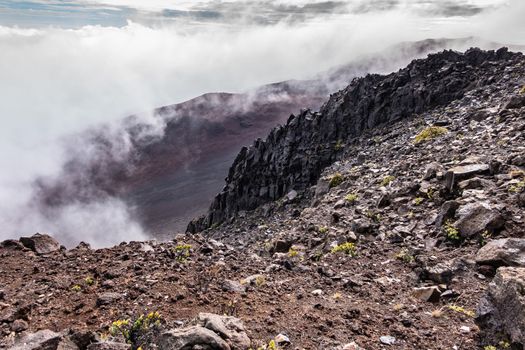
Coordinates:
293 156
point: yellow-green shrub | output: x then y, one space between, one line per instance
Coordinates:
430 133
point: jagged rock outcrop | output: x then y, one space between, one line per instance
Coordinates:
293 156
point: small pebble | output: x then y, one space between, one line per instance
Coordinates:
388 340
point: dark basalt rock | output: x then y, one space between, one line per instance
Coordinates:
293 156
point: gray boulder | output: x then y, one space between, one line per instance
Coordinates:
40 243
501 312
233 286
188 338
476 218
463 172
229 328
43 340
502 252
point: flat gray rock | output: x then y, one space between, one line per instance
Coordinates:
502 252
188 338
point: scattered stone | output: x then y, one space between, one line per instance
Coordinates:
228 328
475 183
292 195
108 298
233 286
253 280
431 294
352 346
340 204
387 340
282 339
502 252
515 102
440 273
501 311
282 246
190 338
462 172
464 329
476 218
431 170
40 243
317 292
447 211
8 314
19 326
43 340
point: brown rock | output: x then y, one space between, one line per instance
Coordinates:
40 243
502 252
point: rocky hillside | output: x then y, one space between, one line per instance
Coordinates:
292 157
391 219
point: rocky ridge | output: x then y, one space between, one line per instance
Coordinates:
411 239
293 156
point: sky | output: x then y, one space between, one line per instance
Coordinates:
69 65
74 14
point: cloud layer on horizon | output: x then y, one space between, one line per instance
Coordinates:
75 14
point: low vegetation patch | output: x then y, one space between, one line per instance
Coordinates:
418 200
451 232
336 180
182 252
462 310
430 133
135 331
347 248
292 253
405 256
351 198
375 217
387 180
517 187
